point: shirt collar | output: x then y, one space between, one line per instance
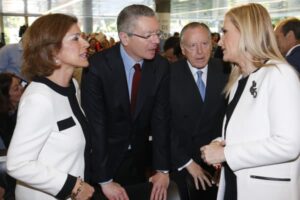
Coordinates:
289 52
127 60
194 70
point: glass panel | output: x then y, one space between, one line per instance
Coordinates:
37 6
31 20
11 28
13 6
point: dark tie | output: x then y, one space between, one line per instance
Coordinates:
135 85
200 84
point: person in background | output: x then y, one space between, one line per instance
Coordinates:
287 34
215 37
125 96
11 55
176 34
11 90
169 49
261 141
112 41
49 115
93 48
196 119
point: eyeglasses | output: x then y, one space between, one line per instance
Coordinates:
158 34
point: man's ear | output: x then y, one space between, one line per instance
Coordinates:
124 38
290 36
182 49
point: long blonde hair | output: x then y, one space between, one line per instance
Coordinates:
257 37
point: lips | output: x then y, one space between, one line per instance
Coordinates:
202 59
84 55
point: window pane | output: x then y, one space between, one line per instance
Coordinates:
37 6
11 28
13 6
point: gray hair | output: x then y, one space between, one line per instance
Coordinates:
127 18
193 25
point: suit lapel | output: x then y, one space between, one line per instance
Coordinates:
192 88
210 85
119 81
214 85
192 84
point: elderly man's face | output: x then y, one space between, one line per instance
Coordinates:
196 46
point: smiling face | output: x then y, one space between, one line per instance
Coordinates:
230 42
141 48
196 46
73 52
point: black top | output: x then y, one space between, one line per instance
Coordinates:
7 126
230 178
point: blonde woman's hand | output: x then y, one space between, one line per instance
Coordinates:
213 153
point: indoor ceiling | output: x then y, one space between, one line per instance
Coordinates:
180 9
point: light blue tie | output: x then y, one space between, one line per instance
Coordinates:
200 84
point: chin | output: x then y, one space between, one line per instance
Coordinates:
84 64
225 58
149 57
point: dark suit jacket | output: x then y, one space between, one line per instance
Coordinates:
105 100
195 123
294 58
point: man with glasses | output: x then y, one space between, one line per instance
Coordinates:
197 107
125 95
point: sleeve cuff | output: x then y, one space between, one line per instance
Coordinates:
184 166
67 188
103 183
163 171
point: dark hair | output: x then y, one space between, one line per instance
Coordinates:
128 16
171 42
291 24
42 41
5 83
22 30
216 34
177 51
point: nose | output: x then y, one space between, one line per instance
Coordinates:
220 43
84 43
199 48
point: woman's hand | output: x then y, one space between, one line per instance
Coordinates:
213 153
82 191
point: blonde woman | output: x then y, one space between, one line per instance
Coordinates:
261 141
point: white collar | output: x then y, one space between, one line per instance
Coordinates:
291 49
194 70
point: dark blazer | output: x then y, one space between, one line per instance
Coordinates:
195 123
105 100
294 58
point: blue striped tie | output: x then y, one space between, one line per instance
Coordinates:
200 84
